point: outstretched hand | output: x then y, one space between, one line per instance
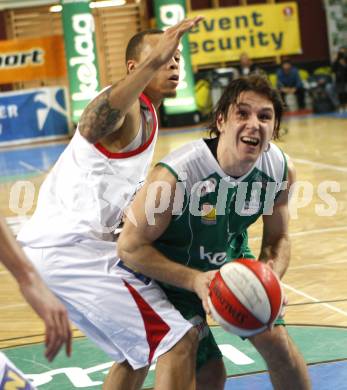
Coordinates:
170 40
202 287
52 312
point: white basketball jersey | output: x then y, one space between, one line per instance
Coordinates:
11 377
88 189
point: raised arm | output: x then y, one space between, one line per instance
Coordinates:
140 231
108 111
40 298
276 243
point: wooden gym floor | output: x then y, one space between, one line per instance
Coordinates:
315 283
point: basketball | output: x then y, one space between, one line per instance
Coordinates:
245 297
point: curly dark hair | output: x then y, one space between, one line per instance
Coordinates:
255 83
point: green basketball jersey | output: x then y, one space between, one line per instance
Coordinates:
212 210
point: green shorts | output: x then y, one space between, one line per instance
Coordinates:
189 305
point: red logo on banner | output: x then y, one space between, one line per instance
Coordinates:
288 11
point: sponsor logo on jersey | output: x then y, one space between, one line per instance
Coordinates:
208 186
208 214
12 380
217 258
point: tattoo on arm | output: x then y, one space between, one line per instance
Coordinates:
99 118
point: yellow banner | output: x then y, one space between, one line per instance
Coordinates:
32 59
261 31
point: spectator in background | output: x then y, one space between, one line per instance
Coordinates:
289 82
247 67
323 93
340 71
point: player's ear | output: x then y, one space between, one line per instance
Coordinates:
131 65
220 122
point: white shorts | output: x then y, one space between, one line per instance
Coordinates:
11 377
126 314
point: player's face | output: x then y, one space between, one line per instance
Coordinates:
286 67
248 128
166 80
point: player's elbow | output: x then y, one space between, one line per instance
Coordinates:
127 249
122 248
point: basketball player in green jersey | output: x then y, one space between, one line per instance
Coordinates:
193 213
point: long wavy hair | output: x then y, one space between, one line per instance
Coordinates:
254 83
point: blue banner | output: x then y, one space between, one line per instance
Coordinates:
33 114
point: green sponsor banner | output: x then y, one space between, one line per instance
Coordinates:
82 66
168 13
336 14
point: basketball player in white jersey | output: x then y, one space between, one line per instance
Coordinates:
70 237
45 304
174 241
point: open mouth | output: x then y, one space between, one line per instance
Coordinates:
250 141
174 78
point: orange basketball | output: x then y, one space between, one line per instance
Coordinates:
245 297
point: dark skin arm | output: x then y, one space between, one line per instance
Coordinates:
109 112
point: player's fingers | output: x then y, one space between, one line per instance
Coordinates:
50 337
284 304
58 336
206 306
211 275
53 348
285 300
186 25
197 19
187 21
47 338
67 333
68 348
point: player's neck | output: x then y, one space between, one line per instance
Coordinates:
230 164
155 99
